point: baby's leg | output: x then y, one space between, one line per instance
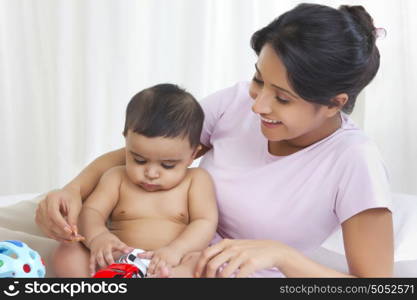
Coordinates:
71 260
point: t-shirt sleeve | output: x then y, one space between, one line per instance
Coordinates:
214 106
364 182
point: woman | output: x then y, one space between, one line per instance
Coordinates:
288 164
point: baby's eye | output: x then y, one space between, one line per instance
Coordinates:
139 161
167 166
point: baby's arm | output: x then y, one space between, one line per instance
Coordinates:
93 217
199 232
202 208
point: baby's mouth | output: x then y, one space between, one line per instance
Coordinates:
149 187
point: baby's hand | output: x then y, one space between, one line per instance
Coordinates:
164 257
102 248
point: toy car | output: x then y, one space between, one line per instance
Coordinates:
119 271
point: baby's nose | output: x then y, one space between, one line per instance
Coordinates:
152 173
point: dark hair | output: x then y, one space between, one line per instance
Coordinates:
326 51
165 110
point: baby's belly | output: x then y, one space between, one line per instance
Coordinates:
147 234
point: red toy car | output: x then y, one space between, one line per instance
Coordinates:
119 271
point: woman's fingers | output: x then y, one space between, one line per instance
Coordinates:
57 212
246 269
231 267
58 234
47 225
216 262
205 257
62 228
73 211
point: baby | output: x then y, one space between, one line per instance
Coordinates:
154 202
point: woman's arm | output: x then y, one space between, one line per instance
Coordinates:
87 180
368 239
369 248
57 214
369 243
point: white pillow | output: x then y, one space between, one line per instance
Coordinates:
17 222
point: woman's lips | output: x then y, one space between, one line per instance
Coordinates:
271 125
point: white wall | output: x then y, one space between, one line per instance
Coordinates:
68 69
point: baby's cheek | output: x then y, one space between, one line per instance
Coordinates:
175 177
134 173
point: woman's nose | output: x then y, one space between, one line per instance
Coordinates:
262 104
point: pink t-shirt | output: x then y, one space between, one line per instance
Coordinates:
299 199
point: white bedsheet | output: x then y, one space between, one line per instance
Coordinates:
331 253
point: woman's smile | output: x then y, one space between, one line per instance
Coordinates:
270 123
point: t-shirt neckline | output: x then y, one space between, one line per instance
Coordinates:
273 157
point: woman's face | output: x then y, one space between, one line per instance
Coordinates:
284 116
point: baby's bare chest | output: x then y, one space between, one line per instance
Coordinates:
137 204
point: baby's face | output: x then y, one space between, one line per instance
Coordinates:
157 163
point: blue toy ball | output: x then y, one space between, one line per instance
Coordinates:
18 260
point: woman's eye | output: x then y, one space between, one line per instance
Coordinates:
258 81
283 101
167 166
140 162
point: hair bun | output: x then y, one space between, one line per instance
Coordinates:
361 17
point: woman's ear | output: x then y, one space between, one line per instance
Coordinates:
338 102
195 152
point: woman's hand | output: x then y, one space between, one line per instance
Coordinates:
239 258
57 214
102 248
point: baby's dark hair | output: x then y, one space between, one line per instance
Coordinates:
326 51
165 110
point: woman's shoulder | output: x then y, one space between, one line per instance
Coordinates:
355 150
348 147
225 97
240 88
353 139
232 101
